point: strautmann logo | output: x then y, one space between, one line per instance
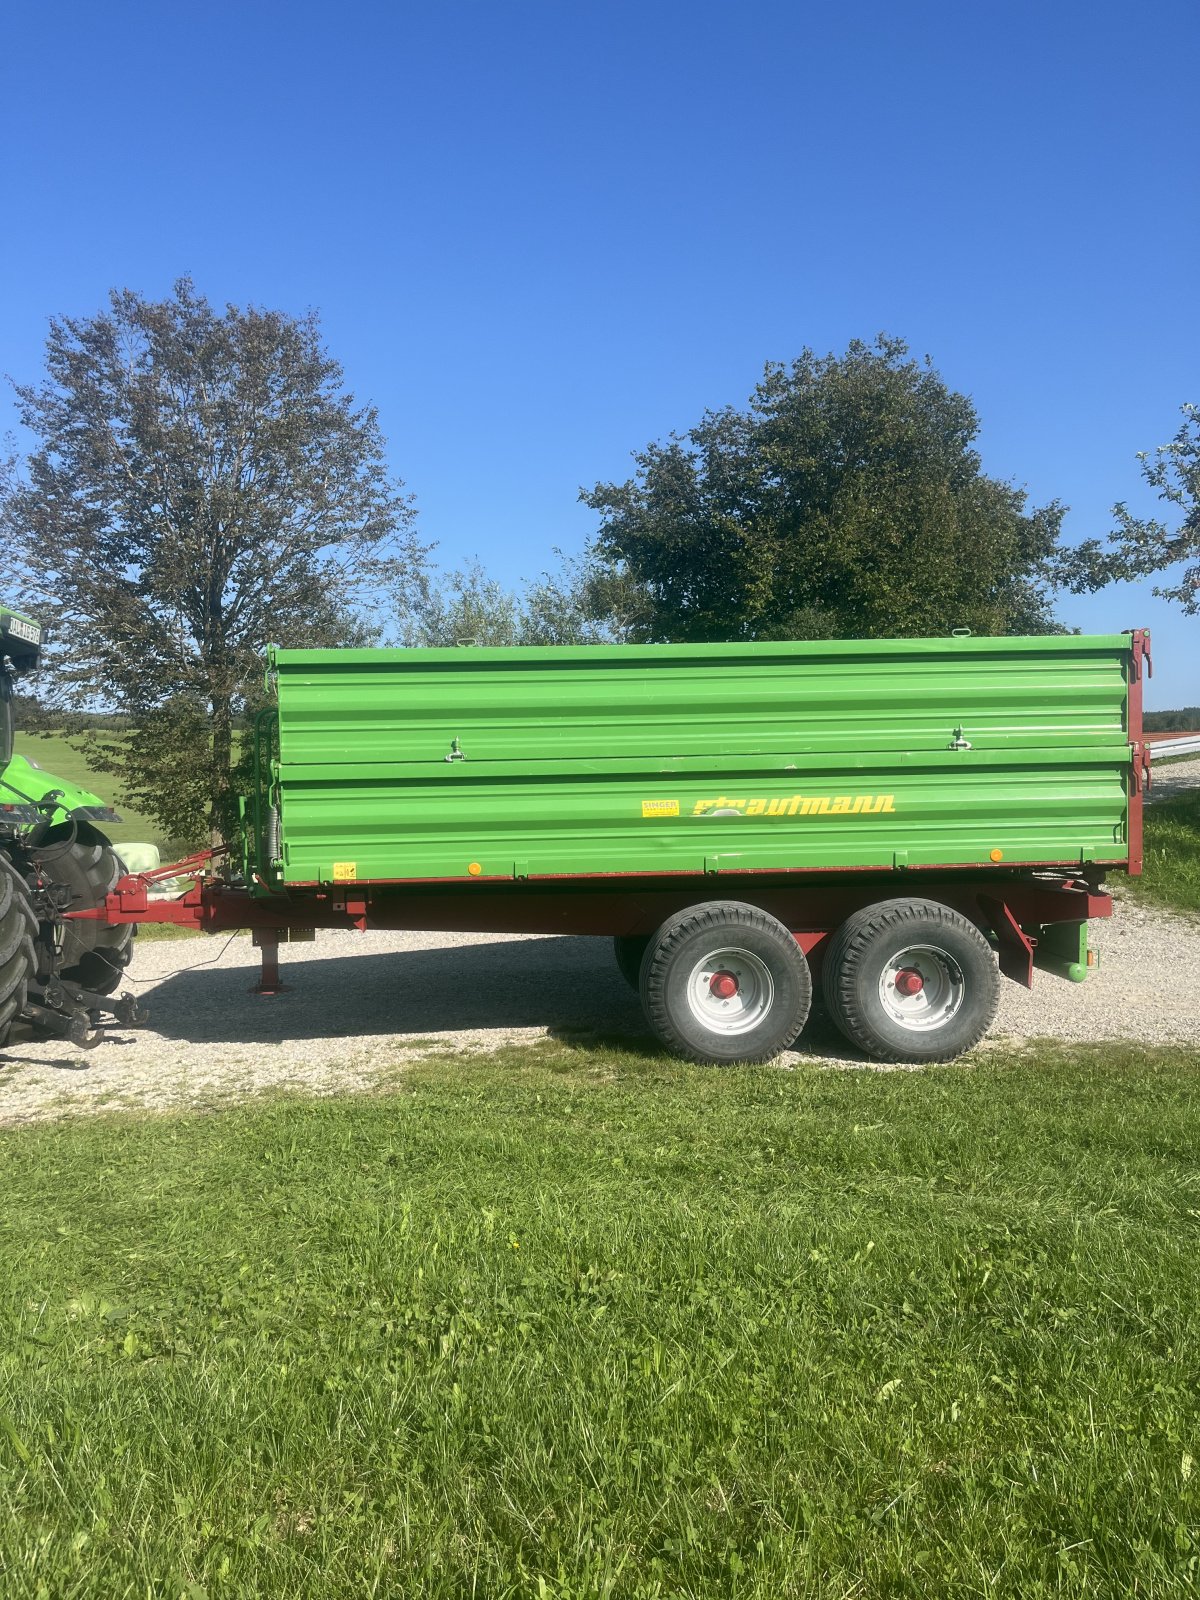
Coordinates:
796 805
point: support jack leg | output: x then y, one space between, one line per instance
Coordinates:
268 979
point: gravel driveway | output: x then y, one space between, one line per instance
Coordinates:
1173 778
360 1005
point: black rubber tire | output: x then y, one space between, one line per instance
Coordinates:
94 955
855 961
681 943
18 932
629 950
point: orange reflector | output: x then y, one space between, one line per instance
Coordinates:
1091 958
474 868
996 855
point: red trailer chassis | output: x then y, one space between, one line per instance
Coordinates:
1029 916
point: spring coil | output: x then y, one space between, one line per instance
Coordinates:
273 834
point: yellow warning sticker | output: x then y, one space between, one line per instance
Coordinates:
345 872
660 808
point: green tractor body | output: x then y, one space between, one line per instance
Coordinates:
54 858
28 794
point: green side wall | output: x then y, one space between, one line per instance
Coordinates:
611 760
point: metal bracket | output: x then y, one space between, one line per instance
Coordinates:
1142 773
1139 640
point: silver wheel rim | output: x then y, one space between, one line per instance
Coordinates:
921 987
730 991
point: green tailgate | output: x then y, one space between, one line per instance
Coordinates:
693 758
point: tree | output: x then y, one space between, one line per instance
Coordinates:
848 500
464 607
1140 547
202 483
579 603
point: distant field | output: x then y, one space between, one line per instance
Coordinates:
58 756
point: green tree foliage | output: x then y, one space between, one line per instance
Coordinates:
202 483
847 500
578 603
1184 719
1142 547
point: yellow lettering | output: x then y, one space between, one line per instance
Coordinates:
813 808
756 808
841 804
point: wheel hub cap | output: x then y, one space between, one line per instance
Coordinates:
921 988
730 991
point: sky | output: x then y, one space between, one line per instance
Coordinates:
541 235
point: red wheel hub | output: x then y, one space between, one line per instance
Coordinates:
909 981
722 986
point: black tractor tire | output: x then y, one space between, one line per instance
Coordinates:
94 955
925 944
629 950
18 933
724 982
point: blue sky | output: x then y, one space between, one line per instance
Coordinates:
541 234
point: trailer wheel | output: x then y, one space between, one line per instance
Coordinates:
725 982
911 981
94 955
18 930
629 950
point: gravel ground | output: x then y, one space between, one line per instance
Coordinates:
1173 778
360 1006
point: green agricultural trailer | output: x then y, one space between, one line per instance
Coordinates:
900 821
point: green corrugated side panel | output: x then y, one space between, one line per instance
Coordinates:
598 760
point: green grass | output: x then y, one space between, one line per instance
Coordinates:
1171 873
578 1323
58 756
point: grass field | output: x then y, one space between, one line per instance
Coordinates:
575 1324
1171 872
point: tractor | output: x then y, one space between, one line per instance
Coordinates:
56 974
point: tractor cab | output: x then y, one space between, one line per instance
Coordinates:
20 651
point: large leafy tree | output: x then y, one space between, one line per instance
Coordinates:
202 483
1143 547
848 500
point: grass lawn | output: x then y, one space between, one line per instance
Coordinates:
572 1323
1171 872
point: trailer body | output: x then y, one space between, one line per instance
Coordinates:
899 820
520 765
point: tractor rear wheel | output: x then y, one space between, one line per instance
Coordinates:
94 955
18 930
